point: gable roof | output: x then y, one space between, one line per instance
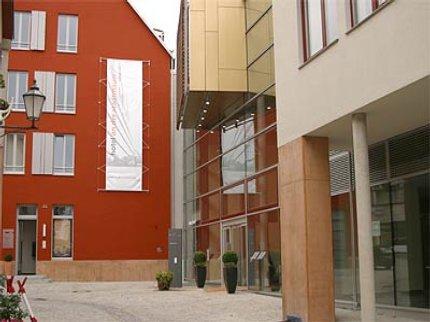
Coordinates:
151 29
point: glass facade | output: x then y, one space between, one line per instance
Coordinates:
230 174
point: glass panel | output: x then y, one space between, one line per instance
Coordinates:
62 32
261 152
73 32
19 158
63 211
263 191
9 150
234 239
208 241
362 8
260 37
411 202
190 187
331 19
233 166
382 244
190 214
59 153
261 73
343 248
233 201
255 9
21 37
29 210
315 41
209 177
209 207
264 249
70 99
189 160
189 249
208 147
69 140
62 241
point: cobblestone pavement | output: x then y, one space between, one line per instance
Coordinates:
140 301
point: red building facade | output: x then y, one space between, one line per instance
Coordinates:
82 231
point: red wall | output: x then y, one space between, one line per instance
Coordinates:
107 225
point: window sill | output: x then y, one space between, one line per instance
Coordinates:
63 174
65 112
14 173
61 258
382 7
18 110
319 53
66 52
20 49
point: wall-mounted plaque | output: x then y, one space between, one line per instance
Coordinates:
8 235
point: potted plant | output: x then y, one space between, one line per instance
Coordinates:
200 268
10 308
230 271
164 278
274 273
8 264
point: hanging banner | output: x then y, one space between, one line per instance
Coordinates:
124 109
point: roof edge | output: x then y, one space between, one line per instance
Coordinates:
150 29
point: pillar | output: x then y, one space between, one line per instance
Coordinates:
364 217
306 230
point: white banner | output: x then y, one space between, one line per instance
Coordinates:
124 109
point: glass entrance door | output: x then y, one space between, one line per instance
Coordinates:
234 238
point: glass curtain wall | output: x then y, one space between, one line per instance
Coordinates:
400 225
230 172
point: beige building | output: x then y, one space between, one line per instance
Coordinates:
352 75
332 163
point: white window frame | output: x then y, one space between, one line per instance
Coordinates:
13 99
64 156
64 107
72 235
17 45
14 149
67 46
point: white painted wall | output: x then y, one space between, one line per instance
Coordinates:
384 54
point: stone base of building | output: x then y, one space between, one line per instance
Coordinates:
102 270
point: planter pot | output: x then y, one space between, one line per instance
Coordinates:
8 268
200 276
163 286
230 279
275 287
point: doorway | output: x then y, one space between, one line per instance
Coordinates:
27 247
234 238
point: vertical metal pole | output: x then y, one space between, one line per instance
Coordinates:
364 218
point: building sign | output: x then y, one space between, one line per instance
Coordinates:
8 236
124 109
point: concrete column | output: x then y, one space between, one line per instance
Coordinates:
364 218
306 230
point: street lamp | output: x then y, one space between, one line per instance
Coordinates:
33 103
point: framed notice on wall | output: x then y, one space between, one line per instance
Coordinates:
8 236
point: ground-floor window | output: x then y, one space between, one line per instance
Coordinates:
62 222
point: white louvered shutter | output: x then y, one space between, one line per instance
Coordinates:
43 149
46 82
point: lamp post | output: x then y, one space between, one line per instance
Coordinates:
33 103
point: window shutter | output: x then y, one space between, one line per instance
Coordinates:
43 147
38 26
46 82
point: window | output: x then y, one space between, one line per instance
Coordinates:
21 32
67 34
319 27
360 9
65 93
62 223
64 146
14 153
16 86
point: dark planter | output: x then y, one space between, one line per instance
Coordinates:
230 279
162 286
274 280
200 276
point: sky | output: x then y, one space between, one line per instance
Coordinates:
161 14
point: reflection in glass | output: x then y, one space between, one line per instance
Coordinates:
233 201
208 241
234 239
263 191
264 248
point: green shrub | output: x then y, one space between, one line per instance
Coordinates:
200 259
230 259
10 307
8 258
164 278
